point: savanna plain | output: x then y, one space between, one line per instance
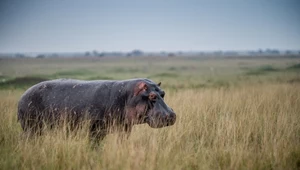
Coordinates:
232 113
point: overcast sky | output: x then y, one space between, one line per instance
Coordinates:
153 25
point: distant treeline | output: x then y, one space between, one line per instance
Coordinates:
136 53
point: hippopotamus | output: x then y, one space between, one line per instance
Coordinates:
104 103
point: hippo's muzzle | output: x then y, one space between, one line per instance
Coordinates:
159 122
160 115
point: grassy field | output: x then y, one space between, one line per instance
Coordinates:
232 113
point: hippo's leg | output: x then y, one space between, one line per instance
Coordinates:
32 126
125 132
97 132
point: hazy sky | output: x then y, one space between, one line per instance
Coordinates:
153 25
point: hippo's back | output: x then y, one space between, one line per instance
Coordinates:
53 97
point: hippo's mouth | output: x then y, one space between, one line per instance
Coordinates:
149 121
156 124
146 119
157 121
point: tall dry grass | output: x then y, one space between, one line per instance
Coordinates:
248 127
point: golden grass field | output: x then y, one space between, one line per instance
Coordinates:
231 114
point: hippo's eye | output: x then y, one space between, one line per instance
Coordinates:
162 95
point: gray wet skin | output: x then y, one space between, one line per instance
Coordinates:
105 103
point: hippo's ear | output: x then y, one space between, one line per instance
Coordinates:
159 84
140 86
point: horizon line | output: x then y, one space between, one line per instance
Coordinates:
155 51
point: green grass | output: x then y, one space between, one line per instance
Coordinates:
262 70
81 72
240 113
165 75
20 82
294 67
99 77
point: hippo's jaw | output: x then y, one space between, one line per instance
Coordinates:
161 121
154 124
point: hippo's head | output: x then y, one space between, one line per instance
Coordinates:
148 105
